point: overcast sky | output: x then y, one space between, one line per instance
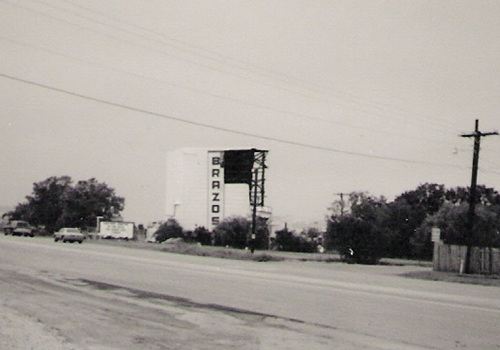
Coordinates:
346 95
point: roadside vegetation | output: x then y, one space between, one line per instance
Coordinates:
177 246
57 202
360 228
364 229
483 280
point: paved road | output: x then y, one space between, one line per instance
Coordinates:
209 303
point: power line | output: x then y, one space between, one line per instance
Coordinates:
241 65
244 65
204 92
213 127
378 109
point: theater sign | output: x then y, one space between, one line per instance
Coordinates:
215 189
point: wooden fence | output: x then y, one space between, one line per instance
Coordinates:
451 258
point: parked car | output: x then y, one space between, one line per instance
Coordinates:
19 228
69 234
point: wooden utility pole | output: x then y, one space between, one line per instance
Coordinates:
342 203
254 211
473 189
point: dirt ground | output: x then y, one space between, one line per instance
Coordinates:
45 311
18 331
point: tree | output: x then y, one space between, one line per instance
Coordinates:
407 212
45 205
55 203
412 208
356 240
87 200
169 229
261 234
235 232
484 195
359 234
288 241
427 197
312 233
402 224
232 232
21 212
202 235
451 219
283 240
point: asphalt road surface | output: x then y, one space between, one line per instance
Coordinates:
97 297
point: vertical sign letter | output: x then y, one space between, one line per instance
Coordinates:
215 189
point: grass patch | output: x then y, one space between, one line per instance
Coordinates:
484 280
217 252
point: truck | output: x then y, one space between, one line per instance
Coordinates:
19 228
116 230
151 230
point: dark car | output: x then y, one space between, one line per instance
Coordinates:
19 228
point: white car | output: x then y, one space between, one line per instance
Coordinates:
69 234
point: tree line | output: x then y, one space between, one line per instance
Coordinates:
361 227
369 227
58 202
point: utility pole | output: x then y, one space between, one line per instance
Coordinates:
473 189
257 190
254 211
342 203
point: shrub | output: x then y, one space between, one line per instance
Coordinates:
356 240
290 242
169 229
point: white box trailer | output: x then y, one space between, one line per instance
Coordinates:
116 230
151 231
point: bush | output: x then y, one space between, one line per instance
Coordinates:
232 232
356 240
169 229
288 241
202 235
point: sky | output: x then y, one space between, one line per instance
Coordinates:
345 95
